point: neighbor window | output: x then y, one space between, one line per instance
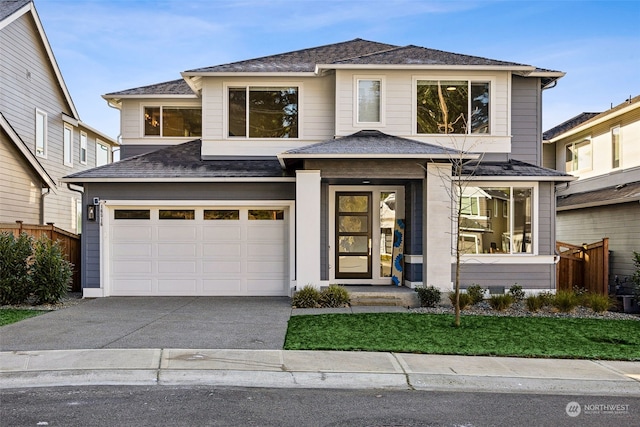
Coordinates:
83 148
578 156
41 133
102 154
67 145
263 112
452 107
615 147
172 121
369 107
511 233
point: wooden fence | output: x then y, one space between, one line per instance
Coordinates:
585 266
69 242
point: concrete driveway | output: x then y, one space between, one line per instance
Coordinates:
158 322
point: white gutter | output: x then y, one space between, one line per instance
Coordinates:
595 121
170 179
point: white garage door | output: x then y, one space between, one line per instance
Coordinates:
198 251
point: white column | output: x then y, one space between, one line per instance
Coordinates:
307 228
437 227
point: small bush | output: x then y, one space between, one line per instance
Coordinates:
463 299
566 301
429 295
500 302
50 272
307 297
516 293
635 278
534 302
476 293
598 303
334 296
546 298
14 268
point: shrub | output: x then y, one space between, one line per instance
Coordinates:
534 302
14 268
334 296
476 293
429 296
546 298
501 302
635 278
598 303
516 293
50 272
566 301
307 297
463 299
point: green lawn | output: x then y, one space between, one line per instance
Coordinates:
478 335
14 315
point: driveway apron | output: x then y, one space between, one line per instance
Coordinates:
157 322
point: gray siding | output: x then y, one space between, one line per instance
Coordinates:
620 223
526 142
529 276
546 209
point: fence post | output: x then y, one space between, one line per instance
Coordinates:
50 224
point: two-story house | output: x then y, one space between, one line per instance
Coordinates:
260 176
603 151
42 137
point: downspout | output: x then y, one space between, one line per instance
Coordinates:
77 190
43 194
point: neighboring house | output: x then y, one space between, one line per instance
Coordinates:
262 176
603 151
42 137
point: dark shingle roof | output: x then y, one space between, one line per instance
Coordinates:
181 161
512 168
568 125
304 60
369 142
9 7
605 196
173 87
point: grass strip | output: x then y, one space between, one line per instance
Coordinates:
13 315
479 335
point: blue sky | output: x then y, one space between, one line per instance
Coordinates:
105 46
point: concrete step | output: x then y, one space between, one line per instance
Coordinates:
394 299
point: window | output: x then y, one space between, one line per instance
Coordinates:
452 107
67 140
102 154
578 156
263 112
132 214
511 233
369 106
172 121
615 147
266 214
83 148
222 214
41 133
177 214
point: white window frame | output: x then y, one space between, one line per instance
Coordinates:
576 167
169 105
82 155
619 147
99 145
356 104
67 145
41 133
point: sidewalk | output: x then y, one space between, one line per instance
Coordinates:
317 369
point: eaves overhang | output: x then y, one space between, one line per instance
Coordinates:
519 178
524 69
80 180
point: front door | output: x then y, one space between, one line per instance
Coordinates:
353 235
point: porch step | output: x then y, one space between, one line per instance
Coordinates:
395 299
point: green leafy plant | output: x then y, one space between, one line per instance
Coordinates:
500 302
635 278
334 296
50 272
429 295
14 268
546 298
534 302
307 297
516 293
598 303
464 299
476 293
566 301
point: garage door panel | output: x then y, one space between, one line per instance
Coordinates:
221 267
177 286
265 287
131 232
266 250
133 286
266 267
133 267
177 267
222 286
176 250
224 232
226 250
128 250
177 233
263 232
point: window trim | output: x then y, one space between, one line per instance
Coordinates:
83 153
357 78
575 166
67 145
618 146
252 83
45 132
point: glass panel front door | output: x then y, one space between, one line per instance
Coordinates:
387 225
353 235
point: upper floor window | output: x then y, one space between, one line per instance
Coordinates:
102 154
615 147
263 112
452 107
369 102
83 148
578 156
41 133
172 121
67 145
